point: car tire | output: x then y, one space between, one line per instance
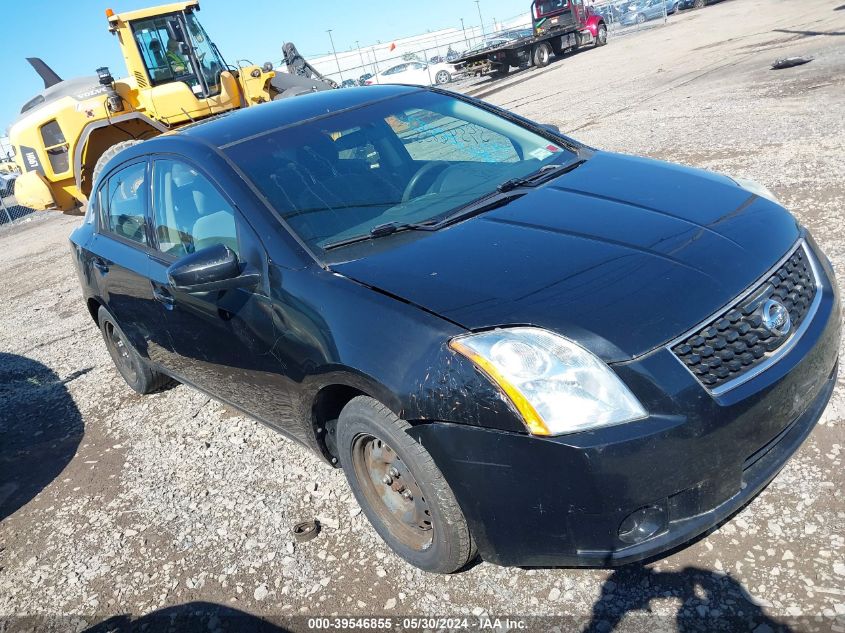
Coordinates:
698 4
106 156
542 55
128 362
601 36
442 77
640 18
374 447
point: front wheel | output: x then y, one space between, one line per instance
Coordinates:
442 77
601 35
400 489
640 18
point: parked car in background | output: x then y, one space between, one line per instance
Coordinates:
695 4
349 83
645 10
362 80
506 339
418 73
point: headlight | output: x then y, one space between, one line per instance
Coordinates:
756 188
556 385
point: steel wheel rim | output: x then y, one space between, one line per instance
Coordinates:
392 492
442 77
120 352
602 35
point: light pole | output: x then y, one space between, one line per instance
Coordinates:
361 55
478 4
463 28
336 60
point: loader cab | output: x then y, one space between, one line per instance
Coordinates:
175 47
179 72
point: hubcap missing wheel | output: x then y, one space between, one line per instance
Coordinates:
392 491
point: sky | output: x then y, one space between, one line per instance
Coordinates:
71 35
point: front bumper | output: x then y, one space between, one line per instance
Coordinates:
560 501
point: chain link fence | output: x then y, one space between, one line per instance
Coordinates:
628 16
10 210
430 58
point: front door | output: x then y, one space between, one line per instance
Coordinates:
221 341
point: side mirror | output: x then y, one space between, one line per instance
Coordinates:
213 268
551 128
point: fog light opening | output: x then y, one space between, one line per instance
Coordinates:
642 524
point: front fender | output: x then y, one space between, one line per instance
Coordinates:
593 24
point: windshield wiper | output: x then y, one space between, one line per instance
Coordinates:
544 173
383 230
504 192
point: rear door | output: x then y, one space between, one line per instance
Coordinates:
218 341
119 254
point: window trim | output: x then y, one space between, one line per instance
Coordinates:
102 227
155 252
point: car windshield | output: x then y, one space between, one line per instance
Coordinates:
406 160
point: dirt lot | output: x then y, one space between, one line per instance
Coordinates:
116 504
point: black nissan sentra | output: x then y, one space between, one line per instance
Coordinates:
513 344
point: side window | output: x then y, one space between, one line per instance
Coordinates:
56 146
126 206
190 212
429 135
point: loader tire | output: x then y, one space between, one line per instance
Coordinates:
110 153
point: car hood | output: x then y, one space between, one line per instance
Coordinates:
622 254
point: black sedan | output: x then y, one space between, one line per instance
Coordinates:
513 344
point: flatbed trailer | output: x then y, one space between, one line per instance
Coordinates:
558 26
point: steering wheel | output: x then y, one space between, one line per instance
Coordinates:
417 177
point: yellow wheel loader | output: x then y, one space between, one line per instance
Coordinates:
176 75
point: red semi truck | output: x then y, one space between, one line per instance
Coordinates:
558 26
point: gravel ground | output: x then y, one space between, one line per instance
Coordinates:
115 504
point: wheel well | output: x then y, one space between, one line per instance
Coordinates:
325 411
94 309
101 138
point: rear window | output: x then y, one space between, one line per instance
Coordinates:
551 7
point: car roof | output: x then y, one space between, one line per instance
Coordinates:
247 122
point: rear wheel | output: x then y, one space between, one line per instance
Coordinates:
110 153
542 55
400 488
442 77
502 70
128 362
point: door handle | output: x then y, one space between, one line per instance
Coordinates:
164 297
101 265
